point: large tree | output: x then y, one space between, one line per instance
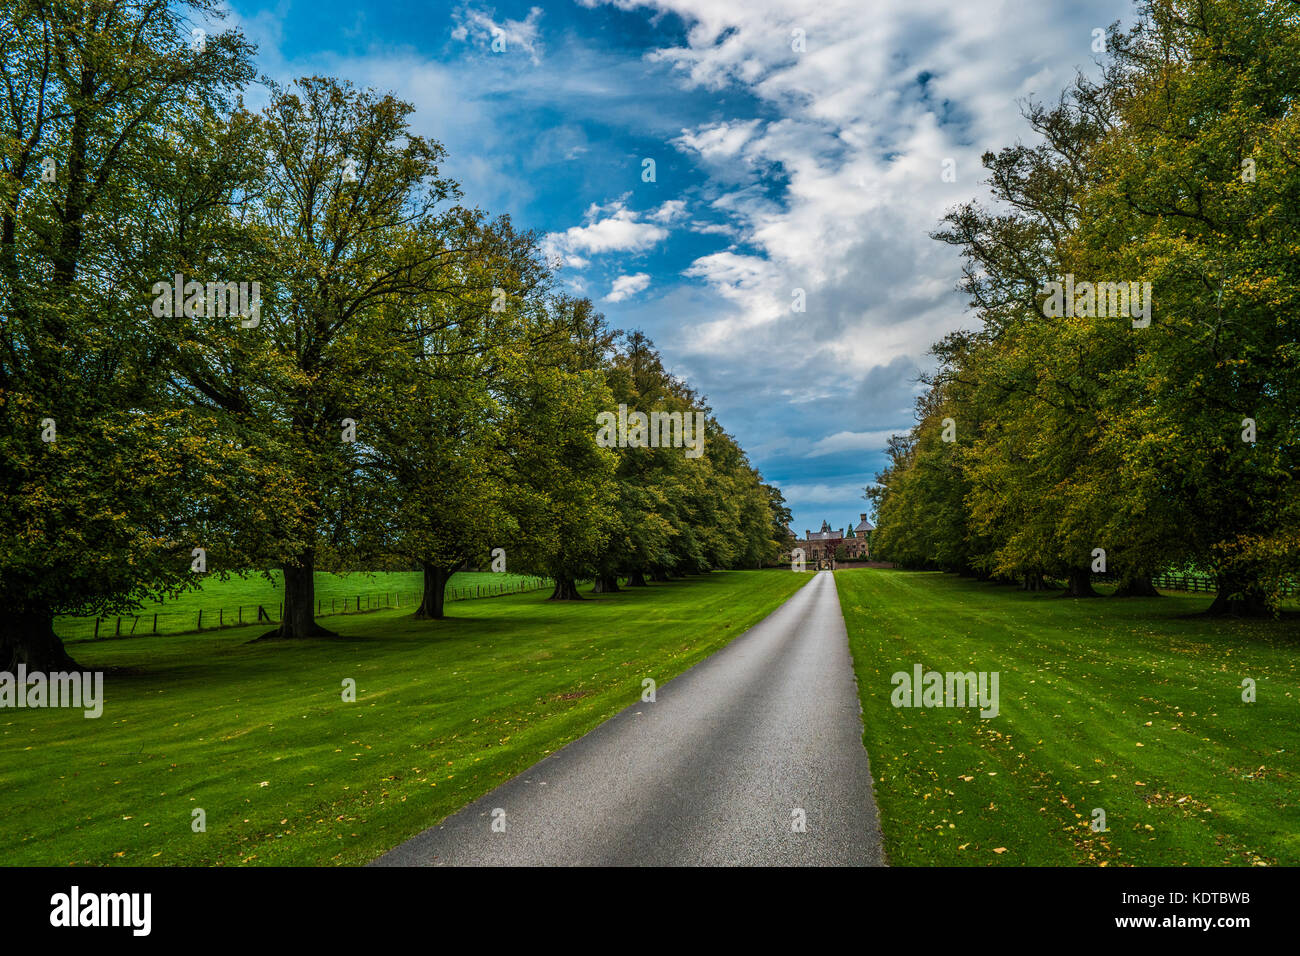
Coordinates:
438 465
347 219
102 470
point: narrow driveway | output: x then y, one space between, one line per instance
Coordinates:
753 757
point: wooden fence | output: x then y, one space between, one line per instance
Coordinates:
213 618
1185 581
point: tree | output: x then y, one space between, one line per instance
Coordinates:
102 469
562 499
439 469
347 224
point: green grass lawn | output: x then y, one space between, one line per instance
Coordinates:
258 736
1130 705
222 602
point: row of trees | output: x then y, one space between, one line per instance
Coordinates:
1054 442
396 375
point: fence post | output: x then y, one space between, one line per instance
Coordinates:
155 622
96 628
200 619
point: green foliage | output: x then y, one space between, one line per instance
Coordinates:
105 472
1087 432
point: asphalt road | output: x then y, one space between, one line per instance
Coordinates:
712 773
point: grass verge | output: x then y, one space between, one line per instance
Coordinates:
1132 706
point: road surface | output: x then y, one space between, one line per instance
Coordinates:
719 771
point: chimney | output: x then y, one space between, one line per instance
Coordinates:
864 517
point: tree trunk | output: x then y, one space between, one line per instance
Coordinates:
435 590
1033 582
27 637
299 618
1079 584
1240 599
606 584
659 576
1137 586
566 589
636 580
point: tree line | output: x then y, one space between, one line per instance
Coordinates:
1128 401
242 339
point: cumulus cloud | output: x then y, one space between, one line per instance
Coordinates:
608 228
835 189
627 286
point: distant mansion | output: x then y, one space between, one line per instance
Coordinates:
819 546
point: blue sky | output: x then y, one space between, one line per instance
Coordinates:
776 169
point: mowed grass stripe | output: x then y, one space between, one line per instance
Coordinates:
287 773
1211 781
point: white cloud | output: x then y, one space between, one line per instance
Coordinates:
626 286
670 211
609 228
505 37
718 141
826 165
821 492
843 442
715 229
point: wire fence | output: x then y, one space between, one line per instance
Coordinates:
193 619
